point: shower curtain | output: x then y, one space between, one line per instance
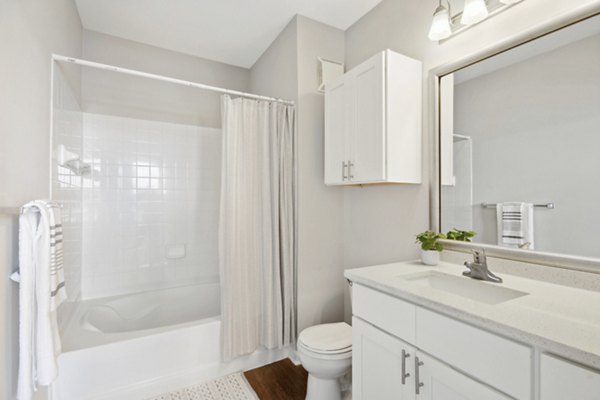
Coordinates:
257 252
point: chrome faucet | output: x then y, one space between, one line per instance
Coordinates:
478 269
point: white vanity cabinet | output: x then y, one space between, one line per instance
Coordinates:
403 351
560 380
385 367
382 365
373 122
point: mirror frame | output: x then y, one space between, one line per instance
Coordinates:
565 261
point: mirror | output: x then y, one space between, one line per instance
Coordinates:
520 145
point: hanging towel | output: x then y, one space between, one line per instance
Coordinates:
515 225
42 290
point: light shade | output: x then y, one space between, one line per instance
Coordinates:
509 1
473 12
440 26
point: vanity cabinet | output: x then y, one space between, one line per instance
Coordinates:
385 367
382 365
373 122
560 380
403 351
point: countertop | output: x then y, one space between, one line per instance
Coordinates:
558 319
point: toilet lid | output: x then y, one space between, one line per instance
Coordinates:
336 337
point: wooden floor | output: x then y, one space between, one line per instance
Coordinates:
281 380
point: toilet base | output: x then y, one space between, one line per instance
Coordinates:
323 389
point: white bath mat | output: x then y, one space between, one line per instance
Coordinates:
230 387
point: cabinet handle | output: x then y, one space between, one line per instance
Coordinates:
350 165
405 374
344 176
418 383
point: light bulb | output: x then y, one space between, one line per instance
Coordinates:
473 12
440 25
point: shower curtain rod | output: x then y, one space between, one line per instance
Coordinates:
182 82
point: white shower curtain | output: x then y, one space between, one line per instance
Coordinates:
257 252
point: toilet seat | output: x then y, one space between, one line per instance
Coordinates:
334 340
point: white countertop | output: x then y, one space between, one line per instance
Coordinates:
557 319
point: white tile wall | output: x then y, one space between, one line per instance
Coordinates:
67 130
153 185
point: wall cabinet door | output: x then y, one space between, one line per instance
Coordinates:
437 381
367 139
560 380
337 123
379 362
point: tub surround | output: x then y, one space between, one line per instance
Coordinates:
563 320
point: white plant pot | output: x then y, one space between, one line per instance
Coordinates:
430 257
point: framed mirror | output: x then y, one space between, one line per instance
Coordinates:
518 146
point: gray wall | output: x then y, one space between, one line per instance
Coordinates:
105 92
534 127
30 31
9 311
289 69
380 221
321 284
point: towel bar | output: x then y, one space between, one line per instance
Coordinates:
541 205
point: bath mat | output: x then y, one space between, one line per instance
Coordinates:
230 387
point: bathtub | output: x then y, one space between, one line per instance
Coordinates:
141 345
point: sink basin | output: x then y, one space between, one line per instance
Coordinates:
483 292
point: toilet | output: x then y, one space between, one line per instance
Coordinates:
325 351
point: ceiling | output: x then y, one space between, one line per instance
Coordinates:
235 32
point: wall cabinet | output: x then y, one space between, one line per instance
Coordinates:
373 122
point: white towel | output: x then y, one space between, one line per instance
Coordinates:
41 291
515 225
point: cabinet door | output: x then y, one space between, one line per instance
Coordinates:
337 128
562 380
367 139
440 382
378 365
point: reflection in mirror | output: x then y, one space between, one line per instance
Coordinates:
521 130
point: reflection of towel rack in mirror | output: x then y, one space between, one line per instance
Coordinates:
541 205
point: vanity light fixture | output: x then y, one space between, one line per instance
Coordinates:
474 12
440 26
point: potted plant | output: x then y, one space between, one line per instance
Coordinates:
461 236
430 246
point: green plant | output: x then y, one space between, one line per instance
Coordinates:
462 236
429 240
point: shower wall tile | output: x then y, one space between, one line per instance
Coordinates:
153 184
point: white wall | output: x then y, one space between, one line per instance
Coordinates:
117 94
289 69
153 185
534 127
30 31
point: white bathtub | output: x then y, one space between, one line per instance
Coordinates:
137 346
